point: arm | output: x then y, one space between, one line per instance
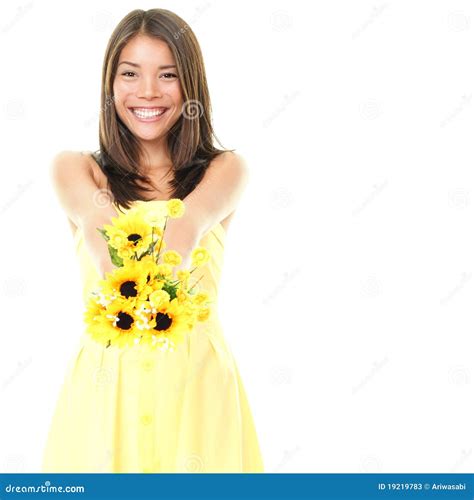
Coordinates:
79 195
215 198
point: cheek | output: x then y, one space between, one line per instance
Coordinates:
177 94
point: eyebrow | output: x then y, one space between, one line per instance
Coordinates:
166 66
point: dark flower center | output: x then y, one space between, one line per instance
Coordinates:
125 321
163 321
134 237
127 289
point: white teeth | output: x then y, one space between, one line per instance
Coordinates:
147 114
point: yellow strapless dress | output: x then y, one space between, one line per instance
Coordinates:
137 410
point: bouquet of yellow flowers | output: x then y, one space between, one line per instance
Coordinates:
143 300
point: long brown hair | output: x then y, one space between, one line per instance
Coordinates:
190 140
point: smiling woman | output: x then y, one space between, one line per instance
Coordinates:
131 409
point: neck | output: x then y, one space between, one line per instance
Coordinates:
156 158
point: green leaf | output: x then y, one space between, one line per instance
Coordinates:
114 257
103 232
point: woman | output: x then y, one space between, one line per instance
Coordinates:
131 409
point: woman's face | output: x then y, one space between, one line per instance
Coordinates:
145 85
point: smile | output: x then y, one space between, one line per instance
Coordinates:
148 114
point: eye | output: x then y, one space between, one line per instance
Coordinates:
128 72
171 75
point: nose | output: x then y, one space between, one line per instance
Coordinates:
149 88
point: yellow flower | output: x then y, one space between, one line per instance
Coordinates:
118 239
199 256
181 296
204 313
115 325
164 269
183 274
172 257
175 208
201 297
158 298
129 281
168 320
131 233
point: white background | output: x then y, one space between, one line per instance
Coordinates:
347 290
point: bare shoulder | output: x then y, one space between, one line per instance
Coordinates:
234 163
75 185
225 180
67 166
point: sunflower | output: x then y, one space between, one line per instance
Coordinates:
130 235
115 324
168 324
130 282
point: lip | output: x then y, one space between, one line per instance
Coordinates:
152 118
